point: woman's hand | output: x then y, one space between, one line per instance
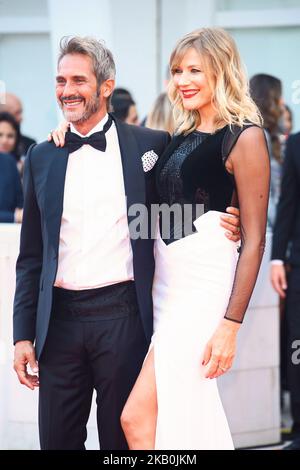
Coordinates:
220 350
58 135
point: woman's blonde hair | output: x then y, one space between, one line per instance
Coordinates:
161 116
226 77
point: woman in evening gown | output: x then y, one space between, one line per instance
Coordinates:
203 281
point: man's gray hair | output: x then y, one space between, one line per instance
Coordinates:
102 58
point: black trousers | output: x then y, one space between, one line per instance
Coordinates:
293 326
95 341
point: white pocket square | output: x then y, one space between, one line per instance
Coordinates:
149 159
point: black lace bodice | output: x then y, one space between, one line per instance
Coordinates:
192 173
194 176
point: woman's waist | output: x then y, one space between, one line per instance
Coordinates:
206 227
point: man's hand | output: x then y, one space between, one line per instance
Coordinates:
278 279
18 215
25 354
232 223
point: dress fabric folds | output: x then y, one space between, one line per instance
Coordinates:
192 286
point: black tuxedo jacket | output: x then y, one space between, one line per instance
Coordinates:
44 180
287 225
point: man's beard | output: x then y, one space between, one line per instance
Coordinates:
78 117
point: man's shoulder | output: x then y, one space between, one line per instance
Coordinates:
43 151
8 166
27 140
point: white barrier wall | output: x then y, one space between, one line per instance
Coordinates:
250 391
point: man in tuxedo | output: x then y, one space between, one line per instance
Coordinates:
83 291
287 231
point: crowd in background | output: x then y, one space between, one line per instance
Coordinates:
266 91
13 148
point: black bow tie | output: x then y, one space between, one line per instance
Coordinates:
97 140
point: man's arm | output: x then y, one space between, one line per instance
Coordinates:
232 224
28 271
29 263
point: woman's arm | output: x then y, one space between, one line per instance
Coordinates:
251 169
249 162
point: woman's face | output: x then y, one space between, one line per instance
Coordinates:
8 137
192 83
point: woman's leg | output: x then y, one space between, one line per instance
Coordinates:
139 415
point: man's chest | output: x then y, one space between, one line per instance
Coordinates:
94 184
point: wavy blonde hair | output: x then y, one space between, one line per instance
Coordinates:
226 77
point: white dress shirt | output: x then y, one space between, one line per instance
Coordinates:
94 243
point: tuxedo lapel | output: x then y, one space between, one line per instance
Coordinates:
54 198
133 173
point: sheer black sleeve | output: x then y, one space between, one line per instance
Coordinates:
249 160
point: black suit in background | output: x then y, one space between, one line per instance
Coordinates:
287 230
24 144
11 192
103 347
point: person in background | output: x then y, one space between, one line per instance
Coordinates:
10 138
287 120
122 92
287 281
124 108
286 127
165 87
11 194
161 116
266 91
9 134
13 105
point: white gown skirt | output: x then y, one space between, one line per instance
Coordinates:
192 285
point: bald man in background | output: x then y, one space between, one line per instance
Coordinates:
13 105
